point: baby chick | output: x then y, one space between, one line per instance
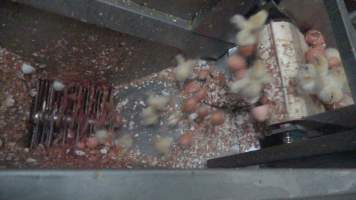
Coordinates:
251 85
244 38
333 56
158 102
306 78
162 144
251 24
329 89
339 74
321 65
150 116
184 68
332 52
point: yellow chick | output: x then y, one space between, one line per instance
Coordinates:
329 89
251 85
339 74
245 37
184 68
332 52
162 144
158 102
150 116
251 24
306 78
321 65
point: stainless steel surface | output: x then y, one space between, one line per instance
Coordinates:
199 184
138 20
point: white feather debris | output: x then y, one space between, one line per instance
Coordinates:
27 69
101 135
58 85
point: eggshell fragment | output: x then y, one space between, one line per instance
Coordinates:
190 105
217 118
191 87
186 138
201 94
203 112
203 74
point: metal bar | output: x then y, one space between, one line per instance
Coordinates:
344 117
174 184
345 37
128 17
345 141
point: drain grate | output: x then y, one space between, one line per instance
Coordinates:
67 116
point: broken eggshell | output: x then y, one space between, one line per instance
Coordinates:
191 87
217 118
190 105
186 139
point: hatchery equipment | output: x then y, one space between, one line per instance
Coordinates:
328 139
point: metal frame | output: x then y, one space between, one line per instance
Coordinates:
173 184
203 36
345 37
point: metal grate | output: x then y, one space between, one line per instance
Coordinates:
67 116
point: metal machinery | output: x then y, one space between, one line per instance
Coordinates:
201 28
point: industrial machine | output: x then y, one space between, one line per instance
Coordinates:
202 29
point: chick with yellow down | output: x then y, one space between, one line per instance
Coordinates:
184 68
251 85
317 79
251 24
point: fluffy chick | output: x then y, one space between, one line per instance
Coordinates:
158 102
184 68
150 116
245 38
321 65
306 78
251 24
332 52
329 89
251 85
162 144
338 73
